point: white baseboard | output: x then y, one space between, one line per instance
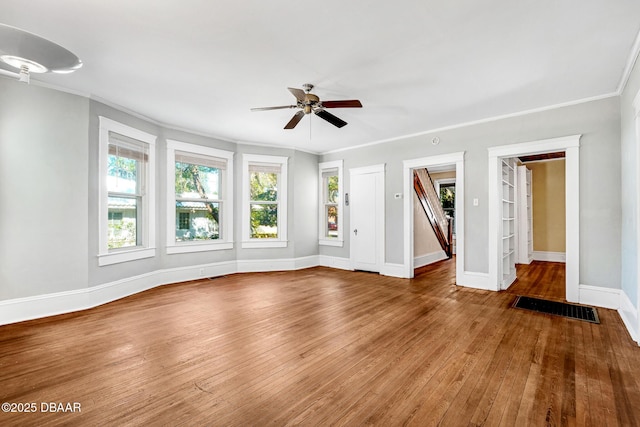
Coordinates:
549 256
599 296
256 266
430 258
472 279
629 315
393 270
335 262
21 309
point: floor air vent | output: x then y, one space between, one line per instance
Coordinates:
571 311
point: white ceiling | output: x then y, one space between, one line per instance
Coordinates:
416 65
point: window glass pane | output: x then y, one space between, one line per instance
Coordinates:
263 186
122 174
197 221
332 221
332 196
122 225
184 222
197 181
264 221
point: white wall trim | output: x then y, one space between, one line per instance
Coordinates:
335 262
393 270
629 315
631 61
549 256
28 308
430 258
472 279
456 158
281 264
600 296
477 122
571 146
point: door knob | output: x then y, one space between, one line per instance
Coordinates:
355 231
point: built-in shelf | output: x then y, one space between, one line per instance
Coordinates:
525 215
509 215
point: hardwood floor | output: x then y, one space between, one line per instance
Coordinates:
321 347
541 279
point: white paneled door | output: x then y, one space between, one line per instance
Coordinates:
367 218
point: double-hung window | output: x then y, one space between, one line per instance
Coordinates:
199 198
331 212
127 203
264 201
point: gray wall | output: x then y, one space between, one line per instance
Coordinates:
629 171
600 217
49 235
43 190
49 187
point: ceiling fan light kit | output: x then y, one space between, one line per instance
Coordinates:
309 103
25 53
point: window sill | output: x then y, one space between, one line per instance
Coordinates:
125 255
198 247
256 244
331 242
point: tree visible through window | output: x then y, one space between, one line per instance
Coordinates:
198 201
264 201
126 165
448 200
331 199
263 204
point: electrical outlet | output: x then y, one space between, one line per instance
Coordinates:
202 272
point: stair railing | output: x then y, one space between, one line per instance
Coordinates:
430 202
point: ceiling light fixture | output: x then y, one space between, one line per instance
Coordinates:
24 53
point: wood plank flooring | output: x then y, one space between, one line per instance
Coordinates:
322 347
541 279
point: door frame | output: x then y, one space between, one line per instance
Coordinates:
379 212
426 162
570 145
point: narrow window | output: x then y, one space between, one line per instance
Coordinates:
331 212
265 201
126 198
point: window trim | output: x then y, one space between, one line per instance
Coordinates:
148 228
281 241
323 240
226 231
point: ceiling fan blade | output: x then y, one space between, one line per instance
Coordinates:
273 108
330 118
295 120
348 103
298 93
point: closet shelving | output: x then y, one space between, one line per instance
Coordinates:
525 216
508 222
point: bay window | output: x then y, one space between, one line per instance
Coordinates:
127 203
264 201
199 198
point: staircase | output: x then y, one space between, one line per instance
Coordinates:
430 202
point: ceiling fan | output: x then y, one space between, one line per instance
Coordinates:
310 103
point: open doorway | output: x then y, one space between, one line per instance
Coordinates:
427 248
570 147
540 225
452 164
